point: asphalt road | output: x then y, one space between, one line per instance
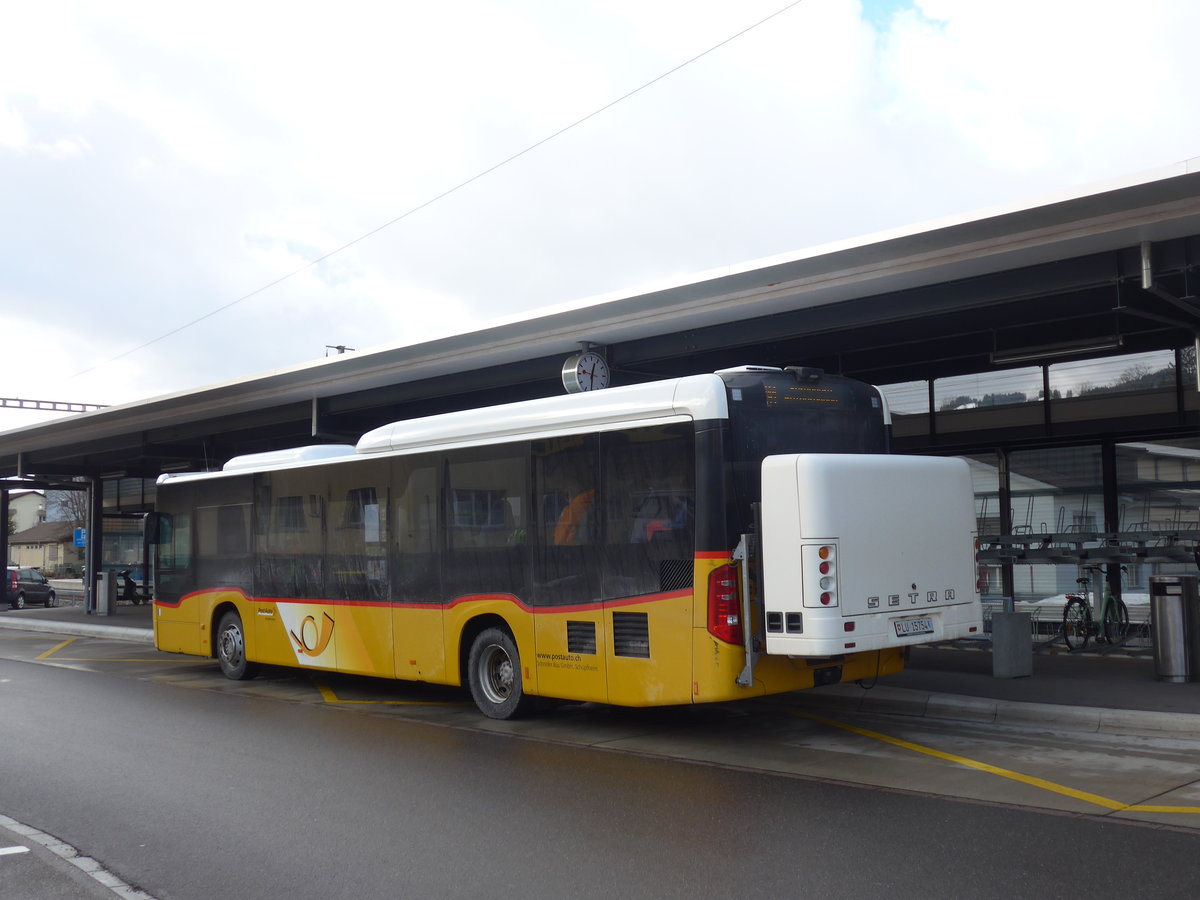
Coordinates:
195 794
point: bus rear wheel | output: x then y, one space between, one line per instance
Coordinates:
494 676
231 648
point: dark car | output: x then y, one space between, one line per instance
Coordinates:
24 585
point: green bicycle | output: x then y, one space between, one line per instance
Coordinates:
1078 624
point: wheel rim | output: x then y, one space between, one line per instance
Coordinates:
20 601
232 646
497 675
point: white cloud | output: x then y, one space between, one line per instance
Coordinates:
14 135
159 161
1065 87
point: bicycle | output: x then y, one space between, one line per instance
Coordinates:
1078 624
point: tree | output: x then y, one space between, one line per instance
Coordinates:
68 506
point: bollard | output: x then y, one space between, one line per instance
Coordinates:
1012 650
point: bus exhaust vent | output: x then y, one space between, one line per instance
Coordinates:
631 634
675 574
581 637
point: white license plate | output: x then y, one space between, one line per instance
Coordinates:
913 627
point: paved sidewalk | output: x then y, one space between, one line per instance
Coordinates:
127 623
1067 692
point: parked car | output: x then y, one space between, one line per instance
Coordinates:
24 585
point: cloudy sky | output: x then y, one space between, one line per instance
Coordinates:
163 163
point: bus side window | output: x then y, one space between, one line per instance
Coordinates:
357 559
174 541
231 530
567 558
291 536
222 545
650 521
415 540
164 542
486 490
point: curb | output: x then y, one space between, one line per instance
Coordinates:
1011 713
80 629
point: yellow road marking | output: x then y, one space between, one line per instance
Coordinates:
131 659
326 694
55 649
329 696
22 635
1031 780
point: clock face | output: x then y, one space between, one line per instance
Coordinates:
585 371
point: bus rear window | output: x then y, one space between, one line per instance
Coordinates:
774 413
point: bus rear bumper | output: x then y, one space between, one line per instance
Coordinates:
718 665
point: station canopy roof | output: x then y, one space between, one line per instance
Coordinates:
1109 269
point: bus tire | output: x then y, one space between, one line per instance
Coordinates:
494 676
231 648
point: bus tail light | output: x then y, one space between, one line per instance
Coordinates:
724 605
819 563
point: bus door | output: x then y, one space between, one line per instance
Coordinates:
356 577
649 516
571 642
293 625
414 534
176 625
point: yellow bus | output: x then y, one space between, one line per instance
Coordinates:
694 540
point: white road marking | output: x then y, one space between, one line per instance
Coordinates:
68 853
8 851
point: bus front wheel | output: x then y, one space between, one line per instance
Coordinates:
494 675
231 648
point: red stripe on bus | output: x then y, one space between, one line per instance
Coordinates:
467 598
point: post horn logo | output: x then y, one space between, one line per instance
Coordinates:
312 641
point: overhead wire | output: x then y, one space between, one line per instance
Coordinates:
446 193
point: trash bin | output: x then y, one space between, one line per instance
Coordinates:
106 594
1191 624
1175 627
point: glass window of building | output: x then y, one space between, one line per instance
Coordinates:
1004 399
1118 386
985 480
1057 494
1158 501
